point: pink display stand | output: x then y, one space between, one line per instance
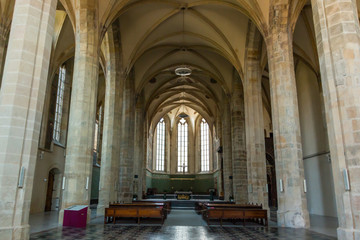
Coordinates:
75 216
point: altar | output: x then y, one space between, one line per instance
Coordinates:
181 195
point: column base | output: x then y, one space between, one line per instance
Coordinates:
100 211
348 234
15 233
293 219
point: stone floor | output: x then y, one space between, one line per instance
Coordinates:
180 224
99 232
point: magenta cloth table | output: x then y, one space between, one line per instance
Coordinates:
75 216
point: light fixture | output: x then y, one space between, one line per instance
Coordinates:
183 71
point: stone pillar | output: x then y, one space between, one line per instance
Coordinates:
4 35
21 105
239 167
79 151
218 153
146 153
292 205
126 174
254 118
227 152
139 146
338 41
111 133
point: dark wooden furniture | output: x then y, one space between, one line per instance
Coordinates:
230 211
201 206
234 214
167 204
135 210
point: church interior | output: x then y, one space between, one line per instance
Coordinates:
180 103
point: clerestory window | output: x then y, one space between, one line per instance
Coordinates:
59 104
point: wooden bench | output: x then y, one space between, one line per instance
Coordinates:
259 215
201 206
208 205
136 210
167 204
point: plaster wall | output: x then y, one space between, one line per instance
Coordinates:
318 174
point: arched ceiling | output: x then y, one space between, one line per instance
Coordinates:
209 37
157 36
6 11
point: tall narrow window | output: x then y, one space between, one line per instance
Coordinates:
182 146
160 150
205 158
59 104
97 137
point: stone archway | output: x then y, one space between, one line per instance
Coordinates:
53 190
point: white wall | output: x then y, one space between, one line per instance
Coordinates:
318 173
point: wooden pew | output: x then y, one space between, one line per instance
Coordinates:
208 205
134 210
236 214
167 204
200 206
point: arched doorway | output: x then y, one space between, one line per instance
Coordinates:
53 190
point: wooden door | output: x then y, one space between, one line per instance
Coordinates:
49 191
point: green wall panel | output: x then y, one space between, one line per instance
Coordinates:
199 183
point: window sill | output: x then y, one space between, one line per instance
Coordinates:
59 144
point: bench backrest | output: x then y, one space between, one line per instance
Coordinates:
126 212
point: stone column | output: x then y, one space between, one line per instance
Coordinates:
146 153
126 174
239 167
254 118
338 41
292 206
218 153
4 35
21 105
139 146
79 151
227 151
111 133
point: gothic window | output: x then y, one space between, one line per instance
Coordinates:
97 137
205 158
160 150
59 104
182 146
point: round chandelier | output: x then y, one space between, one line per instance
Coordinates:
183 71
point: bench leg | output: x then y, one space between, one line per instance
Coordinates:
220 221
139 220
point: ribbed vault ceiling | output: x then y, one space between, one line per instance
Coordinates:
209 37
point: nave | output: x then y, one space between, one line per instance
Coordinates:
180 224
106 101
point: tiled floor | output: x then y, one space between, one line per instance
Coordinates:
102 232
180 224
